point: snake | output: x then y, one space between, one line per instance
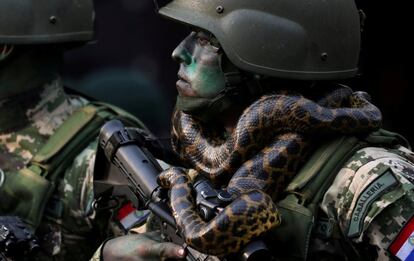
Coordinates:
255 161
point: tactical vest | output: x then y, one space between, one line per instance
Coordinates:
299 209
26 192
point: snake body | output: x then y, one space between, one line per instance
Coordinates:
249 216
272 114
260 156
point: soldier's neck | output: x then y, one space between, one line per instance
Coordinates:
17 111
23 78
230 118
28 68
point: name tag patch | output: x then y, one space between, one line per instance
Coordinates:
375 190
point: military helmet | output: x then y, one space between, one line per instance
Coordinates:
309 40
45 21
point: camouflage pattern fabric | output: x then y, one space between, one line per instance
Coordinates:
70 228
372 197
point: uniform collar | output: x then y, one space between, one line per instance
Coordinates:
18 111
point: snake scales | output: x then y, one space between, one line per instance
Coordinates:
257 160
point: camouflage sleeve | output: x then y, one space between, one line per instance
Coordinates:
76 189
73 212
372 198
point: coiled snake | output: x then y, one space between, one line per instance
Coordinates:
261 155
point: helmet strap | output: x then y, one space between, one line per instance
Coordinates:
5 51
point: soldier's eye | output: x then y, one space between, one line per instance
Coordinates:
208 40
202 40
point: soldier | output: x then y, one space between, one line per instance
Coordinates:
349 195
48 137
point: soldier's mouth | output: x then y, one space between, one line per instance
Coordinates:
184 86
182 77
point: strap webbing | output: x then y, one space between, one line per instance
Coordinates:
305 192
79 130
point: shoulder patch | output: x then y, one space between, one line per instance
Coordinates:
403 245
376 189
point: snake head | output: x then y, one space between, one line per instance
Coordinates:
362 95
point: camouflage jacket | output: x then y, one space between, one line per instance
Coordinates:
70 227
372 200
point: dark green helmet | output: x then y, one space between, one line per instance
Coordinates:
45 21
309 40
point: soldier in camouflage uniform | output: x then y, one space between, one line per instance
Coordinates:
363 204
62 233
35 115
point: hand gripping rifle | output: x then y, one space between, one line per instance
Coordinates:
133 174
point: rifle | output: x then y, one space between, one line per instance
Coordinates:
135 177
16 239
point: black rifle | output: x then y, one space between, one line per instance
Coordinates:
135 177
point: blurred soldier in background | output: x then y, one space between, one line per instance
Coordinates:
47 135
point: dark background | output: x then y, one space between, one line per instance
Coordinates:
130 64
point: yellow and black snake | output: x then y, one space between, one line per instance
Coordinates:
255 162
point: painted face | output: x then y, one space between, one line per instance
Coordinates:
5 51
200 73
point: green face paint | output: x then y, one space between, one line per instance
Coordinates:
200 74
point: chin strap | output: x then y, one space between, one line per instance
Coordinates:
239 90
5 51
241 87
208 108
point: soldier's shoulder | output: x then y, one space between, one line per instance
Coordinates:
374 179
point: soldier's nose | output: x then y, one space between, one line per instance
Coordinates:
181 53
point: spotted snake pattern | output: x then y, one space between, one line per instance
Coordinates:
256 161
